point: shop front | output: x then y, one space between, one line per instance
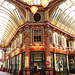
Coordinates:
6 63
22 62
16 64
61 64
37 62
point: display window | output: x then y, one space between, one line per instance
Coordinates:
6 63
23 60
16 63
61 62
12 64
51 59
71 63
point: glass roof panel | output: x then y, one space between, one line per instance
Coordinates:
66 16
35 2
9 21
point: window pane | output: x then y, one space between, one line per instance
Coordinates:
37 35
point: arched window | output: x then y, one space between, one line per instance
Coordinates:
59 40
50 37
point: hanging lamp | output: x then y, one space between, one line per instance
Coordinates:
34 9
44 3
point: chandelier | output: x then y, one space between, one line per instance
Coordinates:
34 8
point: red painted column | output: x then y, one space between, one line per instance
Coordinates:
26 70
48 69
68 71
20 59
3 69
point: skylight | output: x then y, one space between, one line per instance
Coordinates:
35 2
66 16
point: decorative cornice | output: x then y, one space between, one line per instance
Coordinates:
43 24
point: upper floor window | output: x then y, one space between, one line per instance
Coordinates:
50 37
37 35
18 41
55 38
23 37
59 40
63 41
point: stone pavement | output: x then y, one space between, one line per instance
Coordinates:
4 73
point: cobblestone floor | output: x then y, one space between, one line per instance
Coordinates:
4 73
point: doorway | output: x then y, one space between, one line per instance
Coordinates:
37 63
37 68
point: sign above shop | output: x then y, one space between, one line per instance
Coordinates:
47 62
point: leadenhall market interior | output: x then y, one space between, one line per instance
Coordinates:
37 37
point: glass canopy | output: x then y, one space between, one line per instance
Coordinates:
35 2
64 16
10 18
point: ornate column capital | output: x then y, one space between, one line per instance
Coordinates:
47 31
27 31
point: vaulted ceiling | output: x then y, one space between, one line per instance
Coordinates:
64 16
11 17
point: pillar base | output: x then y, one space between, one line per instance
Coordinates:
13 72
48 71
26 71
8 71
3 69
0 69
55 72
68 72
19 72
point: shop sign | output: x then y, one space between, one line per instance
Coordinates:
12 54
17 51
47 62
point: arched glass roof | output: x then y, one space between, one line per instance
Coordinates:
64 16
35 2
10 18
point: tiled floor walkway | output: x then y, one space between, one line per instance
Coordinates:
4 73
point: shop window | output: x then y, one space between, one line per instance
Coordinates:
50 37
61 64
23 60
71 63
59 40
64 62
17 63
24 37
37 35
51 55
6 63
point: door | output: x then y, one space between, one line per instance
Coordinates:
37 68
37 63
